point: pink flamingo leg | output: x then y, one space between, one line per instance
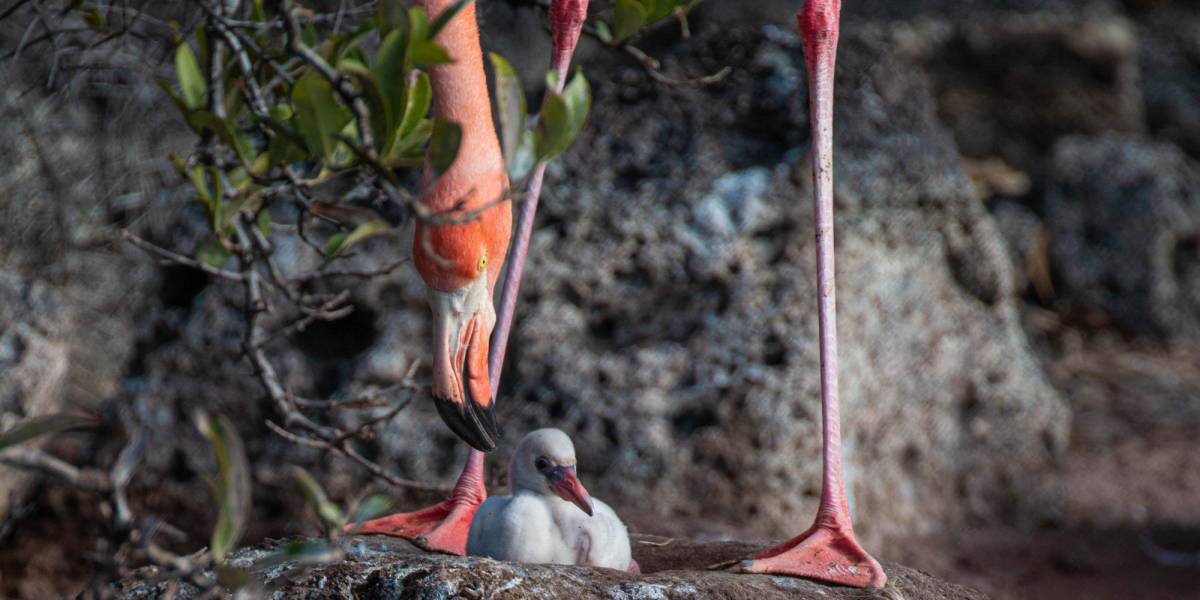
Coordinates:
828 551
443 527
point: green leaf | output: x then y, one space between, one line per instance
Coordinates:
235 102
416 106
212 253
389 70
306 550
443 145
231 577
283 150
232 485
350 147
578 95
256 12
510 108
318 115
196 173
217 204
317 499
94 18
339 242
389 16
346 44
562 117
27 429
202 51
418 25
603 32
310 37
657 10
409 151
263 220
443 19
191 81
422 51
281 112
427 54
378 107
228 133
553 128
524 160
628 18
370 508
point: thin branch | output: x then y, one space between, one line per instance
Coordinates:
11 9
328 273
340 82
654 69
324 437
32 459
176 258
253 93
333 309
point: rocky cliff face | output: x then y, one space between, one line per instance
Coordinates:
668 318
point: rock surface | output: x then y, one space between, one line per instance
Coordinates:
1129 242
1170 65
34 363
379 568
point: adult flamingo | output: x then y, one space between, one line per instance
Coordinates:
460 264
828 551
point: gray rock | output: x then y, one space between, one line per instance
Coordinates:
1010 86
1024 235
1124 221
1170 72
378 568
34 366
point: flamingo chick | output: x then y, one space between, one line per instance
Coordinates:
549 518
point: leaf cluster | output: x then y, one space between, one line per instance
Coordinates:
632 16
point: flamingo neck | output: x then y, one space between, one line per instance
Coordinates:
460 95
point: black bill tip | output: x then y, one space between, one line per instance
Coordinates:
473 424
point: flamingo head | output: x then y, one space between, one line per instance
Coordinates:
459 264
544 464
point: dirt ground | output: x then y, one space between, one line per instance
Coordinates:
1131 520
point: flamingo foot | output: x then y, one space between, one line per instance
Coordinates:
442 527
825 553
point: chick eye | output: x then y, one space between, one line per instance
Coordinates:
542 463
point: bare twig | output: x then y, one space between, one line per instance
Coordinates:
36 460
654 69
341 83
177 258
314 435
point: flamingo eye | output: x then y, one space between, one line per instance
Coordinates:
542 463
482 263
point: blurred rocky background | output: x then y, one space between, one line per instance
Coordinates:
1018 201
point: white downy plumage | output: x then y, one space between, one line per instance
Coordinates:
549 518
